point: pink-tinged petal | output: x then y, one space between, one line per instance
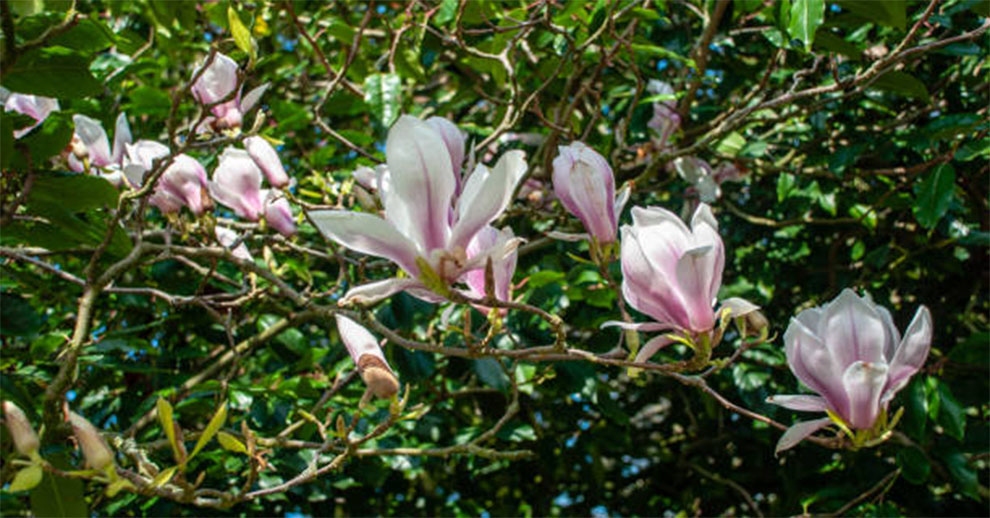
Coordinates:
165 202
704 230
621 198
251 98
93 137
358 340
800 432
486 196
367 234
739 307
121 137
217 81
893 336
853 330
139 158
646 288
185 179
237 184
454 140
911 352
864 382
799 402
422 181
494 245
267 159
34 106
372 292
812 363
567 236
228 238
366 177
663 237
694 272
645 327
278 214
585 185
651 347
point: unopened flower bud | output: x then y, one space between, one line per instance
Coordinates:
378 377
95 450
368 357
756 322
25 439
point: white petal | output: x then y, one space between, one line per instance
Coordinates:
567 236
864 384
488 200
358 340
372 292
121 137
252 97
911 352
799 432
800 403
367 234
94 137
853 330
740 307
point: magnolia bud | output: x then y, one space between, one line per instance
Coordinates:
95 450
25 440
378 377
756 322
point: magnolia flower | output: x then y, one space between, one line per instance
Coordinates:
850 352
665 119
368 358
227 238
267 159
502 266
90 142
25 439
183 184
672 273
705 182
34 106
427 226
237 184
218 81
278 213
584 182
95 450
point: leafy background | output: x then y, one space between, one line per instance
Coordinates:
879 185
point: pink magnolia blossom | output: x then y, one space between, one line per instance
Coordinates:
585 185
426 222
228 238
850 352
267 159
503 266
217 82
90 141
237 184
34 106
278 213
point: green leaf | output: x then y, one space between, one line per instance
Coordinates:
211 429
74 192
383 93
885 12
46 140
27 478
967 480
164 476
490 373
731 144
914 465
52 72
59 496
806 16
951 415
904 84
661 52
785 186
86 37
231 443
827 41
17 316
915 409
934 195
6 141
165 417
241 34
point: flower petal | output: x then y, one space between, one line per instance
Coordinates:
799 432
811 362
265 156
694 276
800 403
121 137
92 135
367 234
739 307
217 81
486 196
251 98
911 353
237 184
358 340
422 183
372 292
864 382
637 326
853 330
454 140
651 347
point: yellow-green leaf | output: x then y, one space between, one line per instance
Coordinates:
230 443
165 418
241 34
27 478
164 476
119 484
211 429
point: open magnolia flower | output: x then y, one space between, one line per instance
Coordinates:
850 352
91 144
217 82
585 185
183 184
34 106
368 358
427 225
673 273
